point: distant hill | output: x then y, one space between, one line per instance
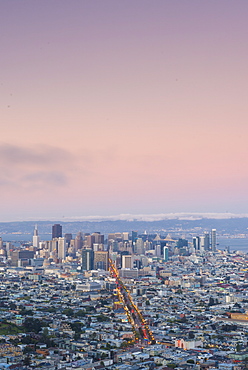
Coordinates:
232 226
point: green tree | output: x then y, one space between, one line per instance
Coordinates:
80 313
76 326
68 312
45 332
27 361
27 349
238 347
12 306
32 325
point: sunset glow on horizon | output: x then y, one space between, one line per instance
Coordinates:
112 107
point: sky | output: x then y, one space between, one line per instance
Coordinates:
123 106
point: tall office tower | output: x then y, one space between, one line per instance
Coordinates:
87 259
202 243
56 231
61 248
127 262
8 248
158 250
98 238
111 236
54 247
1 243
196 243
118 237
114 246
101 260
206 241
213 240
94 238
36 238
127 247
139 246
163 243
134 236
68 238
147 245
79 241
89 241
125 236
166 254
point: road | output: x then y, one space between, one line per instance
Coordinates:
141 330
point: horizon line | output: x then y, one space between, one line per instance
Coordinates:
190 216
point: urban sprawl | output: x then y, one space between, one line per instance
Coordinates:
127 301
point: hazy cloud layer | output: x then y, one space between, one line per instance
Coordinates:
40 155
35 166
161 216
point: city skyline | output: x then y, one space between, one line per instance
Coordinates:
123 108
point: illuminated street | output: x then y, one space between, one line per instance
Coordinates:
141 330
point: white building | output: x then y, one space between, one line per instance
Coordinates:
36 239
127 262
61 248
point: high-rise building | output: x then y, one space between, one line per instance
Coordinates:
61 248
202 243
68 238
158 250
206 241
139 246
166 254
21 257
125 236
127 261
147 245
79 240
101 260
87 259
36 238
213 240
8 248
98 238
134 236
98 247
47 245
89 240
54 246
196 243
56 231
95 238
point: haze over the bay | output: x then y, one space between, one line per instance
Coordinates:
142 217
134 108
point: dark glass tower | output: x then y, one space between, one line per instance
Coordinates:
56 231
87 259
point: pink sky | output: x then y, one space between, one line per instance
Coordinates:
129 106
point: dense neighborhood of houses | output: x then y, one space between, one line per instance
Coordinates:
59 316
